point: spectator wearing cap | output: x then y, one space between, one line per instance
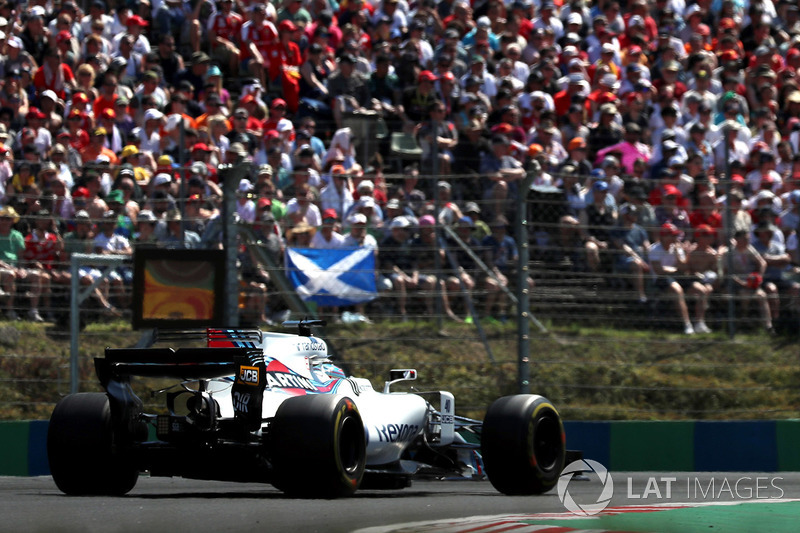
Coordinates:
327 236
500 174
97 13
107 241
704 256
285 60
564 98
135 27
669 267
606 132
173 238
337 194
501 256
114 139
702 86
737 149
132 193
245 205
149 133
53 110
449 212
597 221
424 249
33 36
487 83
577 148
671 209
81 240
547 19
698 144
42 138
764 175
117 204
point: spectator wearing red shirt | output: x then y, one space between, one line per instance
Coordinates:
42 247
108 95
258 36
284 64
54 74
224 28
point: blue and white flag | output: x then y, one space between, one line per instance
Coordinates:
332 277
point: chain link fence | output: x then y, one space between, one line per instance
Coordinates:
602 339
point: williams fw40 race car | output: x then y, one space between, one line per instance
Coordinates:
273 408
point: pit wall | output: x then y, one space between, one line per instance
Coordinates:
692 446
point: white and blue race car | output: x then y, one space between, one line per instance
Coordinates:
273 408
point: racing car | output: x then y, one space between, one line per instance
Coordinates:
272 407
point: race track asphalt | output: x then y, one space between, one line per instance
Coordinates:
177 505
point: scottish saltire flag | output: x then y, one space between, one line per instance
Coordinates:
337 277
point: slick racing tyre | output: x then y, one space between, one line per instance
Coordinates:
318 446
523 444
82 448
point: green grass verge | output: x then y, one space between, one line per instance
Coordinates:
590 373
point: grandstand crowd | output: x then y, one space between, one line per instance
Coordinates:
651 119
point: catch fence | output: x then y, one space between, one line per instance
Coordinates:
593 345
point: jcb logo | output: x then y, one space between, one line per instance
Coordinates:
248 375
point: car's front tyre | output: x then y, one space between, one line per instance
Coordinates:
523 444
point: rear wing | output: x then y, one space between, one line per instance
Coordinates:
184 363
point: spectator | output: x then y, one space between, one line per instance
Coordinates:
327 236
106 242
396 261
81 241
337 194
501 174
778 261
424 249
631 244
596 222
669 267
501 256
12 245
747 273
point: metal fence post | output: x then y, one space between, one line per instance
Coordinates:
523 295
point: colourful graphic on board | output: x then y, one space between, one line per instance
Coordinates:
178 290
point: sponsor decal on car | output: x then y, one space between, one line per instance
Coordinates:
284 380
248 375
396 432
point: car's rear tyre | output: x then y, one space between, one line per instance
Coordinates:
523 444
83 451
318 446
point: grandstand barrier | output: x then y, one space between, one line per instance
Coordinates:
622 446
